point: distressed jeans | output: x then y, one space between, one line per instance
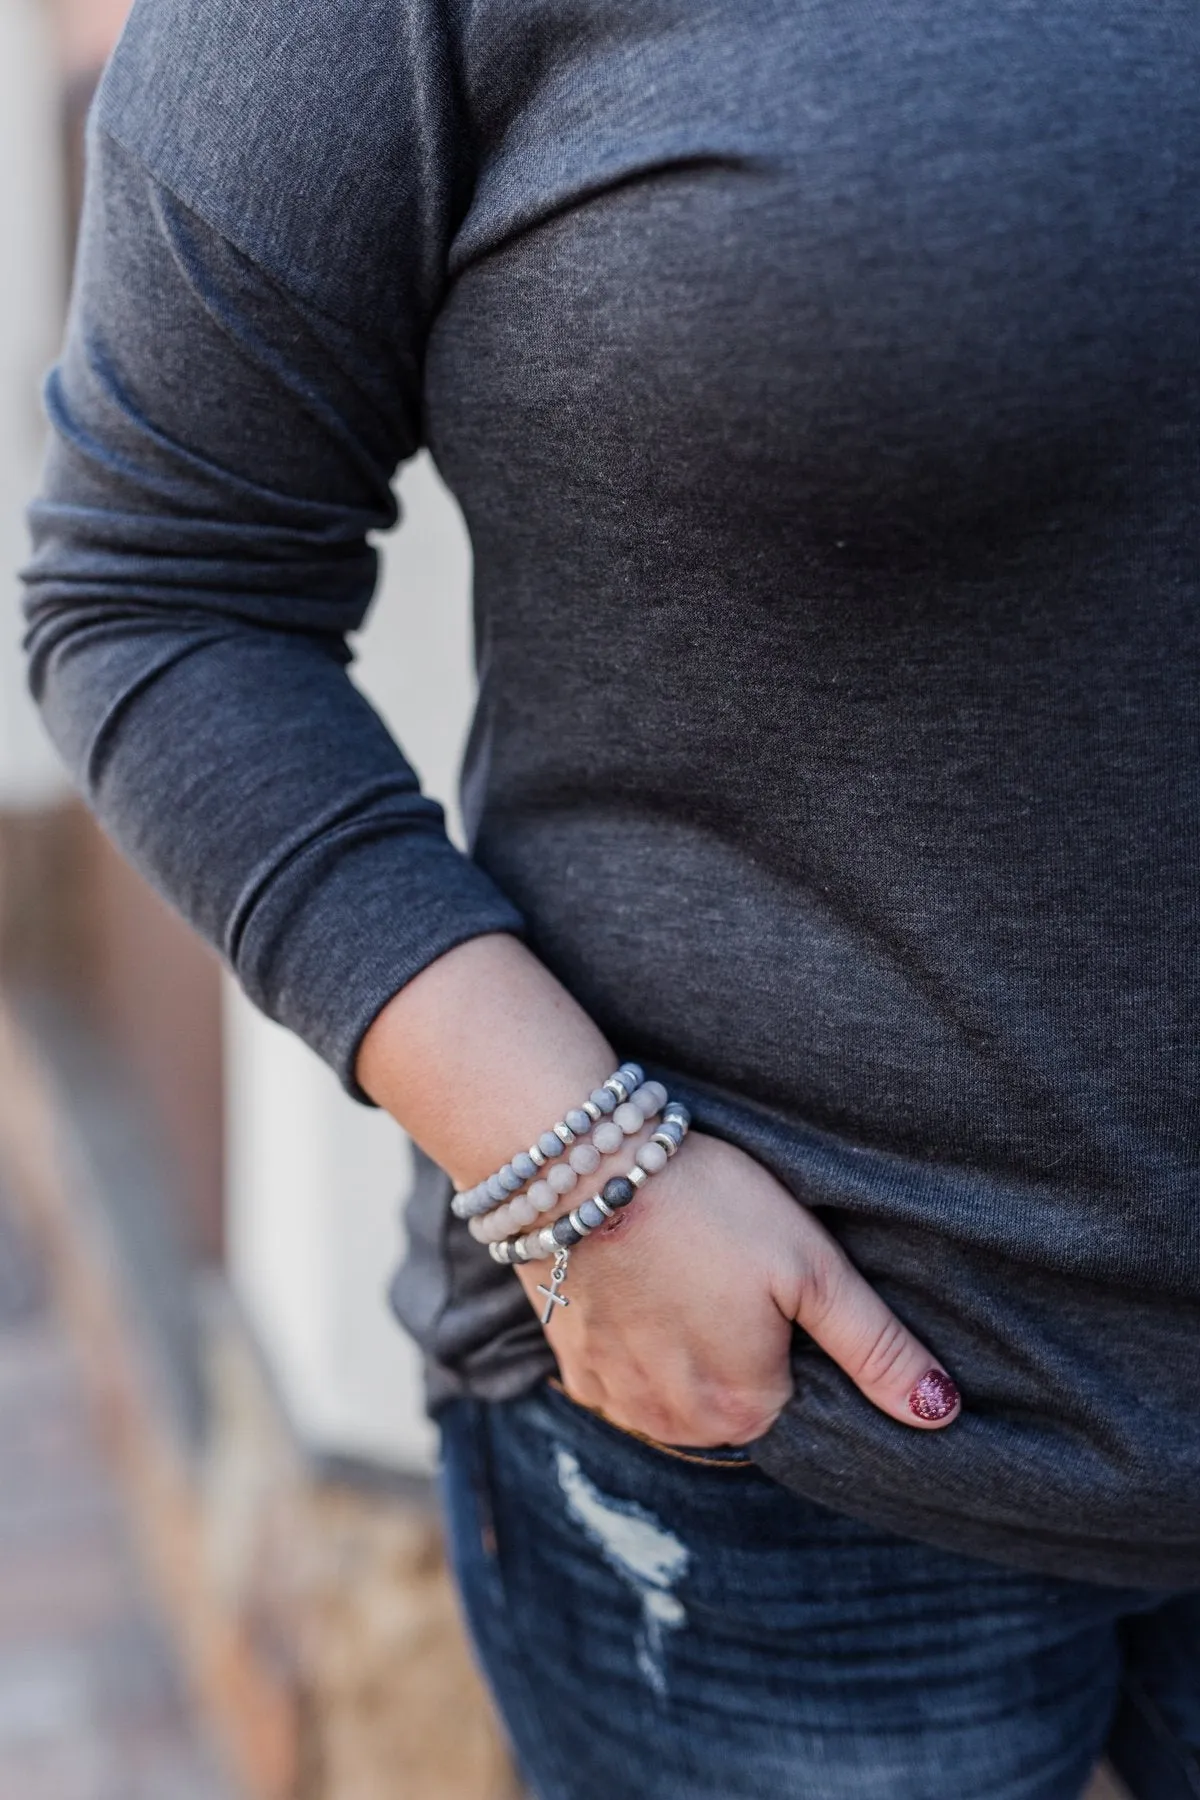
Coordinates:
662 1625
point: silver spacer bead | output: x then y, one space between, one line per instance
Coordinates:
637 1175
537 1156
563 1132
592 1110
602 1203
546 1241
666 1140
618 1088
577 1222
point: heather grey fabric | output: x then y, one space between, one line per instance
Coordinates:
821 386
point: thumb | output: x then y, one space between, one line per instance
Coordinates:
846 1317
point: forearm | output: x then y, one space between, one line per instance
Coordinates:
221 451
480 1053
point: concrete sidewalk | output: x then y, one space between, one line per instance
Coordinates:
91 1704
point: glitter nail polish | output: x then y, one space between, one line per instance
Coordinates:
934 1397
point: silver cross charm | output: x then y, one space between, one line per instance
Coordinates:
557 1277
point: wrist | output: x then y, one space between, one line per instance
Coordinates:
478 1054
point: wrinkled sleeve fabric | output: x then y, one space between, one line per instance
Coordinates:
240 378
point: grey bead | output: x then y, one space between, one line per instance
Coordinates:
632 1074
578 1120
549 1144
524 1165
671 1128
619 1191
512 1181
565 1234
590 1215
677 1110
604 1098
496 1189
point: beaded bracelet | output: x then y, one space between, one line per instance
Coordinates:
559 1239
542 1196
508 1180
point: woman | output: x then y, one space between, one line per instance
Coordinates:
819 383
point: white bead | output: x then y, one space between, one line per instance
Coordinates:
608 1137
478 1230
650 1098
542 1195
584 1159
562 1178
629 1118
652 1158
521 1212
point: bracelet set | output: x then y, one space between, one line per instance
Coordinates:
497 1208
625 1088
582 1159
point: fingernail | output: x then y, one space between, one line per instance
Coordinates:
934 1397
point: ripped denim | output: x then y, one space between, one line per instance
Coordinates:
658 1625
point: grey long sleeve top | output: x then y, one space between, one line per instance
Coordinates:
821 387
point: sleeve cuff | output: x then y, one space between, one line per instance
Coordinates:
342 931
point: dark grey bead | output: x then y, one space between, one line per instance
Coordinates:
578 1121
619 1191
604 1099
591 1215
565 1234
524 1165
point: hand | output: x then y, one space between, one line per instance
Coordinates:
681 1314
680 1320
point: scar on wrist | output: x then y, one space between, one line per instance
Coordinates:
618 1222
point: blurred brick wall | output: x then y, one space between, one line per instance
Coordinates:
74 919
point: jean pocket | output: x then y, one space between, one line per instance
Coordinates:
721 1456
